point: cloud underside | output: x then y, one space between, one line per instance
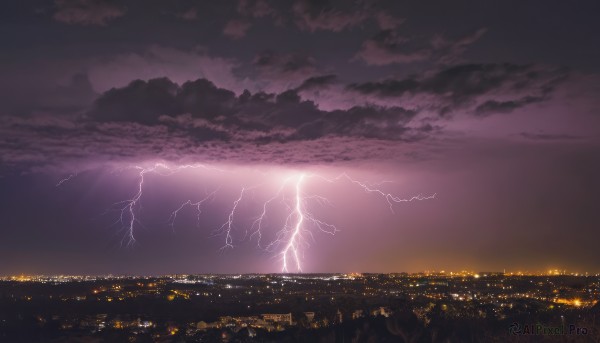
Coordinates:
160 119
478 89
87 12
388 46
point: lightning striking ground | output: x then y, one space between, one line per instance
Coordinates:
293 237
129 206
292 245
228 225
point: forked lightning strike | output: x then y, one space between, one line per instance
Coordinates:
228 225
390 198
297 230
293 243
197 205
128 217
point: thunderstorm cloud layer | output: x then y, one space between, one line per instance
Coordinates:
492 110
160 118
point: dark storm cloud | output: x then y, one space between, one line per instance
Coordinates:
339 16
274 63
449 51
145 101
247 11
160 118
274 71
389 46
493 88
281 117
50 145
314 15
317 82
88 12
142 102
494 106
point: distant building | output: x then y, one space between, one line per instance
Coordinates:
202 325
381 311
282 318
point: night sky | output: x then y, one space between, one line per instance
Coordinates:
493 106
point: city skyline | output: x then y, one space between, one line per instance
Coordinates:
310 306
146 138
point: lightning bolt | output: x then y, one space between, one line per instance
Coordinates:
68 178
390 198
228 225
293 242
128 207
257 225
197 205
296 232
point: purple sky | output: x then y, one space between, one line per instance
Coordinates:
492 106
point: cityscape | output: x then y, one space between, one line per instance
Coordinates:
401 307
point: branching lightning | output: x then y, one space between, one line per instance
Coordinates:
390 198
128 207
293 242
296 232
197 205
228 225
